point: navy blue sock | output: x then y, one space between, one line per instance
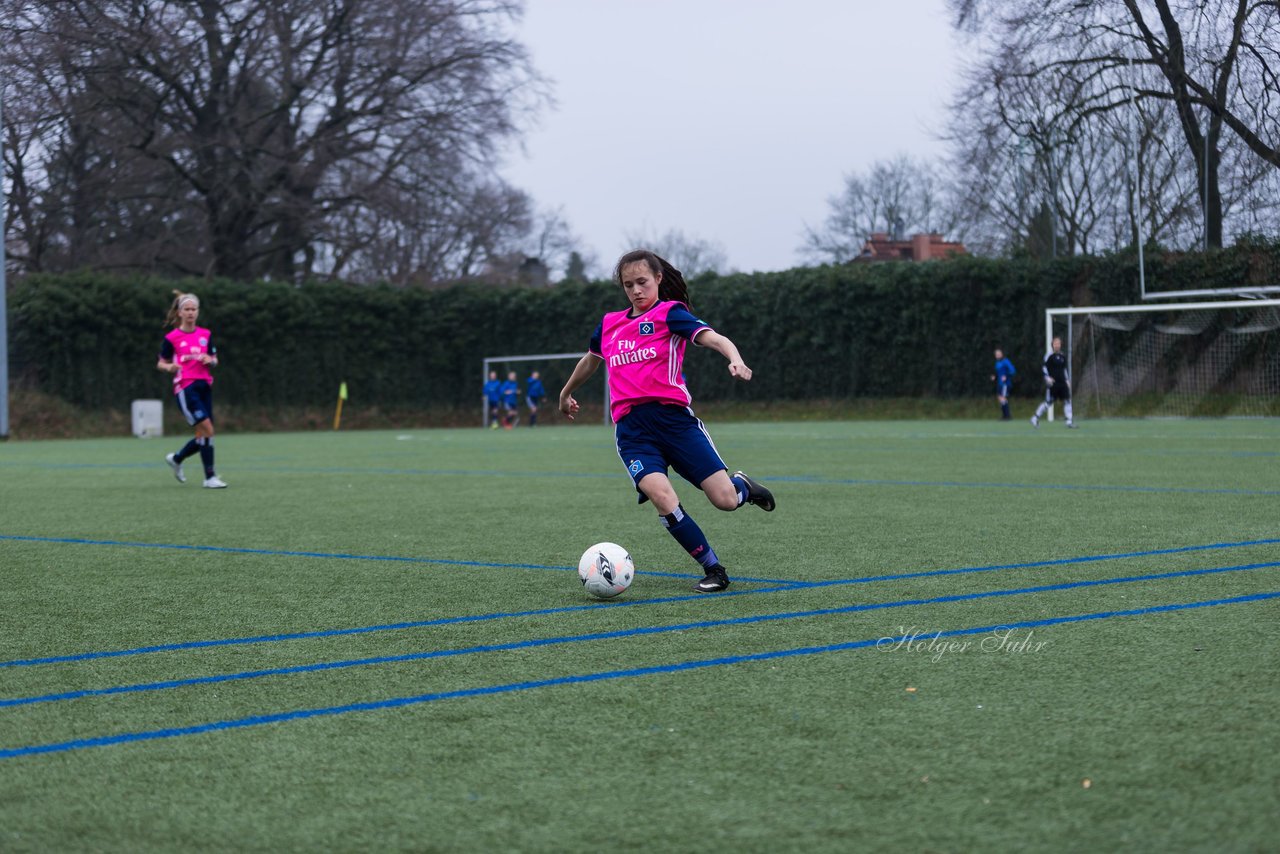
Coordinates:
740 485
1004 410
206 456
689 536
188 450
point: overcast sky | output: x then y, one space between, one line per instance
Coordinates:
732 121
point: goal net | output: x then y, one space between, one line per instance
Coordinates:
1183 360
554 370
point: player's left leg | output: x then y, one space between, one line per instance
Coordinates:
192 447
680 525
200 399
204 439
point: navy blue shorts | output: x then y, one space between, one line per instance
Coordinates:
1002 389
196 402
653 436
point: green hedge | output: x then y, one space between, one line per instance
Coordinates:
895 329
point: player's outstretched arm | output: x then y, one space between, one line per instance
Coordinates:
725 347
581 373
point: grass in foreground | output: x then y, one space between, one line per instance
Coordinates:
380 570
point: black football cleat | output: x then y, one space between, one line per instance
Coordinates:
757 494
717 579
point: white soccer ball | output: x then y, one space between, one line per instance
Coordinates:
606 570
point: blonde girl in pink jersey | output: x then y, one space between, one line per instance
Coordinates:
188 353
655 429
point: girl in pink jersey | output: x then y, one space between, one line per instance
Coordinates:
188 353
655 428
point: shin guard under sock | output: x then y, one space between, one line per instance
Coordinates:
689 536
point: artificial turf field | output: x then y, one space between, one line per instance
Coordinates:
950 636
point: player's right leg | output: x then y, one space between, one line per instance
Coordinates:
191 448
688 445
1043 407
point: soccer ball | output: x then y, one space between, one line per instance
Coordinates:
606 570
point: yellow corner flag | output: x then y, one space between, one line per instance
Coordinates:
342 395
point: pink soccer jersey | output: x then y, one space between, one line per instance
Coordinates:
187 346
645 355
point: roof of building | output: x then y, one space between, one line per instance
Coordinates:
920 247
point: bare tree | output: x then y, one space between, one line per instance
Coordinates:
1030 181
267 128
1213 62
578 268
553 242
425 234
901 196
691 255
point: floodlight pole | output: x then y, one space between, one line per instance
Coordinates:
1205 201
1137 181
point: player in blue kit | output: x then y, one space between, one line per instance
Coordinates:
1003 378
533 395
493 396
655 428
510 392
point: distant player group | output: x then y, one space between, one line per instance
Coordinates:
505 397
1057 384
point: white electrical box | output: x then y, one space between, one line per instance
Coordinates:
148 418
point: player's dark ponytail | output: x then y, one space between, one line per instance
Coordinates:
672 286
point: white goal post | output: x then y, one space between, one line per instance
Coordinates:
541 358
1172 359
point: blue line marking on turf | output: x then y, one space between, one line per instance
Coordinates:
77 541
1084 487
1031 564
810 479
510 687
611 635
475 618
